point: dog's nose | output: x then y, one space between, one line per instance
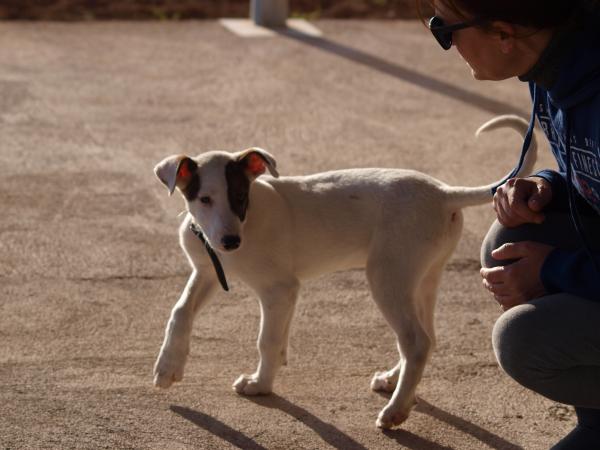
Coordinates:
231 241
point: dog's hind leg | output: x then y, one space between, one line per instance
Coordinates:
386 381
277 307
395 292
176 345
428 291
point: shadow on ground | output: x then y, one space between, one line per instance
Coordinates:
334 436
218 428
424 81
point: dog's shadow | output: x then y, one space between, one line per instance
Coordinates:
337 438
218 428
330 434
406 439
481 434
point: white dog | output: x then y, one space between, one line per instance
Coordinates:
274 233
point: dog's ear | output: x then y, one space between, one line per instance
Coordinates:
255 161
175 171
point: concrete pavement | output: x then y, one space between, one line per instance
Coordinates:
89 262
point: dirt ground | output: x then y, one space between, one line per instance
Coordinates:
90 266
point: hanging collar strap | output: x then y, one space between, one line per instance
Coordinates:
526 142
213 256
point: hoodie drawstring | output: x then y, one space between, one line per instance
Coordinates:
526 143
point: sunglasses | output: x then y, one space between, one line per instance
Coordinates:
443 33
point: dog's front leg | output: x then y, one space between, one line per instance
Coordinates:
276 307
176 346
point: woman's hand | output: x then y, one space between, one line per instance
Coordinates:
520 281
521 200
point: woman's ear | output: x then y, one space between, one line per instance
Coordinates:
505 34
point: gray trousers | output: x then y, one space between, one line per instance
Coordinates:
551 344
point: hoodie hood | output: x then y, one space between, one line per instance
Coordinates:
569 68
579 75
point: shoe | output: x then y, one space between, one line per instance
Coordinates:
586 435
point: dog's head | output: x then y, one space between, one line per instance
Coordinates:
216 188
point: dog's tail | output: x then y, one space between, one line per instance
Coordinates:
471 196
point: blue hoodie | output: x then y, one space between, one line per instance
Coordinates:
568 105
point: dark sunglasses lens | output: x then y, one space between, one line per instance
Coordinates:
444 38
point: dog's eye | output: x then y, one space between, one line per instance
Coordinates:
206 200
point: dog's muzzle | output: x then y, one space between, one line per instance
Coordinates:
231 242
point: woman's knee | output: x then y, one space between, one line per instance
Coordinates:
497 236
553 231
515 339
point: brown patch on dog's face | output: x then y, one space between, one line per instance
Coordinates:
191 189
238 188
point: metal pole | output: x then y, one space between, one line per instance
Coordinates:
269 13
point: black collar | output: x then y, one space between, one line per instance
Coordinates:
213 256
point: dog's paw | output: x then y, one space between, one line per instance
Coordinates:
250 385
384 381
389 418
168 369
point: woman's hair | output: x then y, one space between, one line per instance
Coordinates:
528 13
